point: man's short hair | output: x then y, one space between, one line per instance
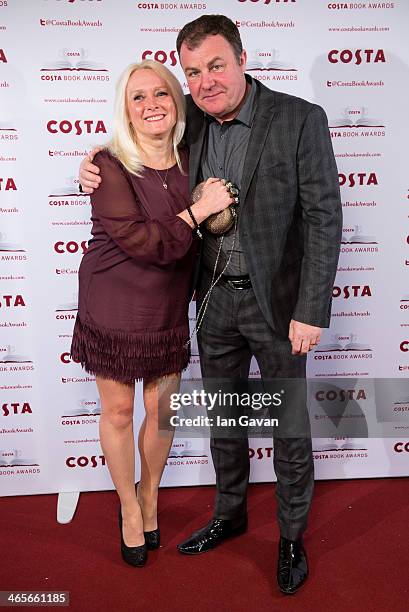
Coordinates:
194 33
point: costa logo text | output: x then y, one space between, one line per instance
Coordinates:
3 57
352 291
7 184
346 56
259 453
161 56
404 346
70 247
401 447
342 395
16 408
151 5
10 301
361 5
358 178
66 358
80 126
93 461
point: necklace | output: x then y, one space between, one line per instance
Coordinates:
163 181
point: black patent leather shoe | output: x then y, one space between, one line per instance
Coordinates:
133 555
292 570
152 539
216 532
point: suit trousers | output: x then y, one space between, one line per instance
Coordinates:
233 330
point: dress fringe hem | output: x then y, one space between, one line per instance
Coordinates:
129 356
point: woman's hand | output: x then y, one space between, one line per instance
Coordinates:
214 198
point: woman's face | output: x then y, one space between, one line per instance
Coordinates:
151 108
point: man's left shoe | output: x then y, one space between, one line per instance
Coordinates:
216 532
292 570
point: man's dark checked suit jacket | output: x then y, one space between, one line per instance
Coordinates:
291 215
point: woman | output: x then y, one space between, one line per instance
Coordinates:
132 321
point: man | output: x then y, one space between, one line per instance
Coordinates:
275 294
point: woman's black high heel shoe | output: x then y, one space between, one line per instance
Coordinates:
133 555
152 538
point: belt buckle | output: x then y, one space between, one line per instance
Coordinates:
239 284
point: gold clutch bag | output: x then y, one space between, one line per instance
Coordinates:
221 222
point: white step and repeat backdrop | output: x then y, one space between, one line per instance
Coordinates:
59 60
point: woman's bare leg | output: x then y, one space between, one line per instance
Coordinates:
118 445
154 445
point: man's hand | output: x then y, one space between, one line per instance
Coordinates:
303 337
89 173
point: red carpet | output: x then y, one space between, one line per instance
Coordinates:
357 543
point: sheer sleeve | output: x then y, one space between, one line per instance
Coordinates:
115 204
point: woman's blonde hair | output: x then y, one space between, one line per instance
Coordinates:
123 143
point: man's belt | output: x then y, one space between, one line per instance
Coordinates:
237 282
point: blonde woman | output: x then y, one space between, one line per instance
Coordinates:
134 281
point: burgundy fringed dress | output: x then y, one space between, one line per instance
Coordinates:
134 279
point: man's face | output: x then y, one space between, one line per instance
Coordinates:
215 79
